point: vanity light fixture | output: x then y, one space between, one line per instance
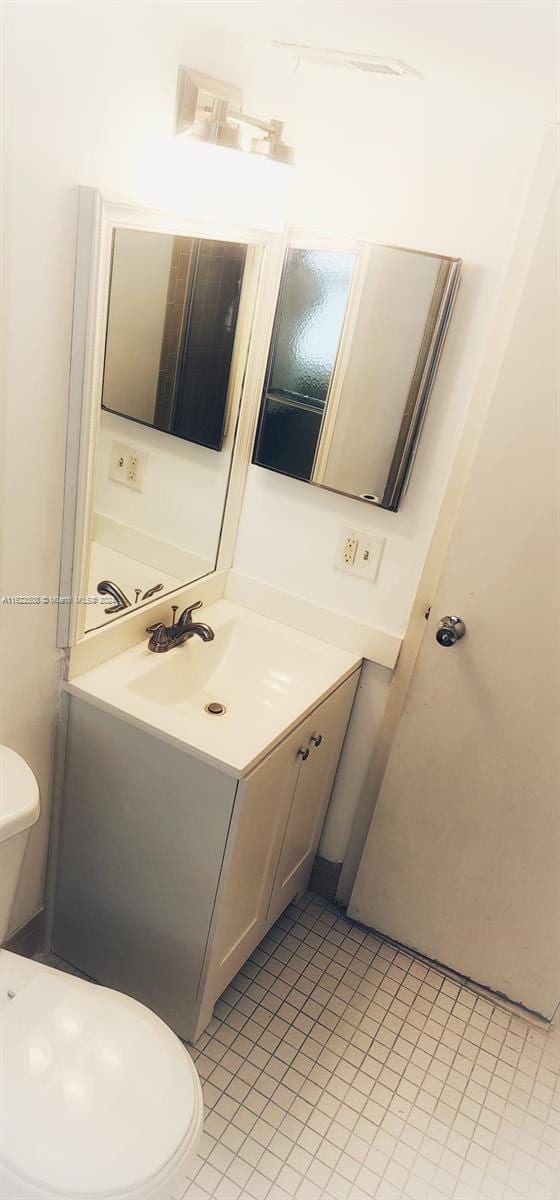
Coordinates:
212 110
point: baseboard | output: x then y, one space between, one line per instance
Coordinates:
324 878
28 939
499 999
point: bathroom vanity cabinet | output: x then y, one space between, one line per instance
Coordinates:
171 870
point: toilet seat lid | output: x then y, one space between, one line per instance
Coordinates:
19 794
98 1093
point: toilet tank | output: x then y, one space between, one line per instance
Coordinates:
19 809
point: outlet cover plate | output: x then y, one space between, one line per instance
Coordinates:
366 559
127 465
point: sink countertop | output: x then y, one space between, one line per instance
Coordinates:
268 676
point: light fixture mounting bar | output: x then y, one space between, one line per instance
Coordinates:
196 97
267 126
211 109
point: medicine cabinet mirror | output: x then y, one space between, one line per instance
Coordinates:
166 338
356 343
176 341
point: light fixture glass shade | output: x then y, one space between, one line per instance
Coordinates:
217 134
273 149
213 127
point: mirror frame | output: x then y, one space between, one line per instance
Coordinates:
416 402
98 217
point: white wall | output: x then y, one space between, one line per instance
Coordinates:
365 723
460 197
440 165
91 100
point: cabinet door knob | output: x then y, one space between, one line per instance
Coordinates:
303 754
317 739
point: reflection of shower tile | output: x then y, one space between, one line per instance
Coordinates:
210 268
206 285
230 270
178 286
205 289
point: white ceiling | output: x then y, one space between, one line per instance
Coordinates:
497 42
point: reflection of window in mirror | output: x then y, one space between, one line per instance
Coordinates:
356 343
173 308
310 314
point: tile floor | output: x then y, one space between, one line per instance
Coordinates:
337 1067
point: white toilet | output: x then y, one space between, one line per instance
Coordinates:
98 1098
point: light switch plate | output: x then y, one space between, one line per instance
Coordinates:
359 553
127 465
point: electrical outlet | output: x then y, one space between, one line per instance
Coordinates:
132 468
360 553
127 465
349 548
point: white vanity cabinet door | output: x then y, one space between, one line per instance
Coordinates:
327 724
277 822
262 807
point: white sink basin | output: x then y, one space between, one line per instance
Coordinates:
266 675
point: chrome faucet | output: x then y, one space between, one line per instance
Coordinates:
108 588
164 637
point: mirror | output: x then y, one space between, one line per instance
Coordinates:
173 307
176 343
356 343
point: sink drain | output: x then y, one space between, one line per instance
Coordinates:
215 709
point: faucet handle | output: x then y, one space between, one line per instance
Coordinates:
186 614
159 639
